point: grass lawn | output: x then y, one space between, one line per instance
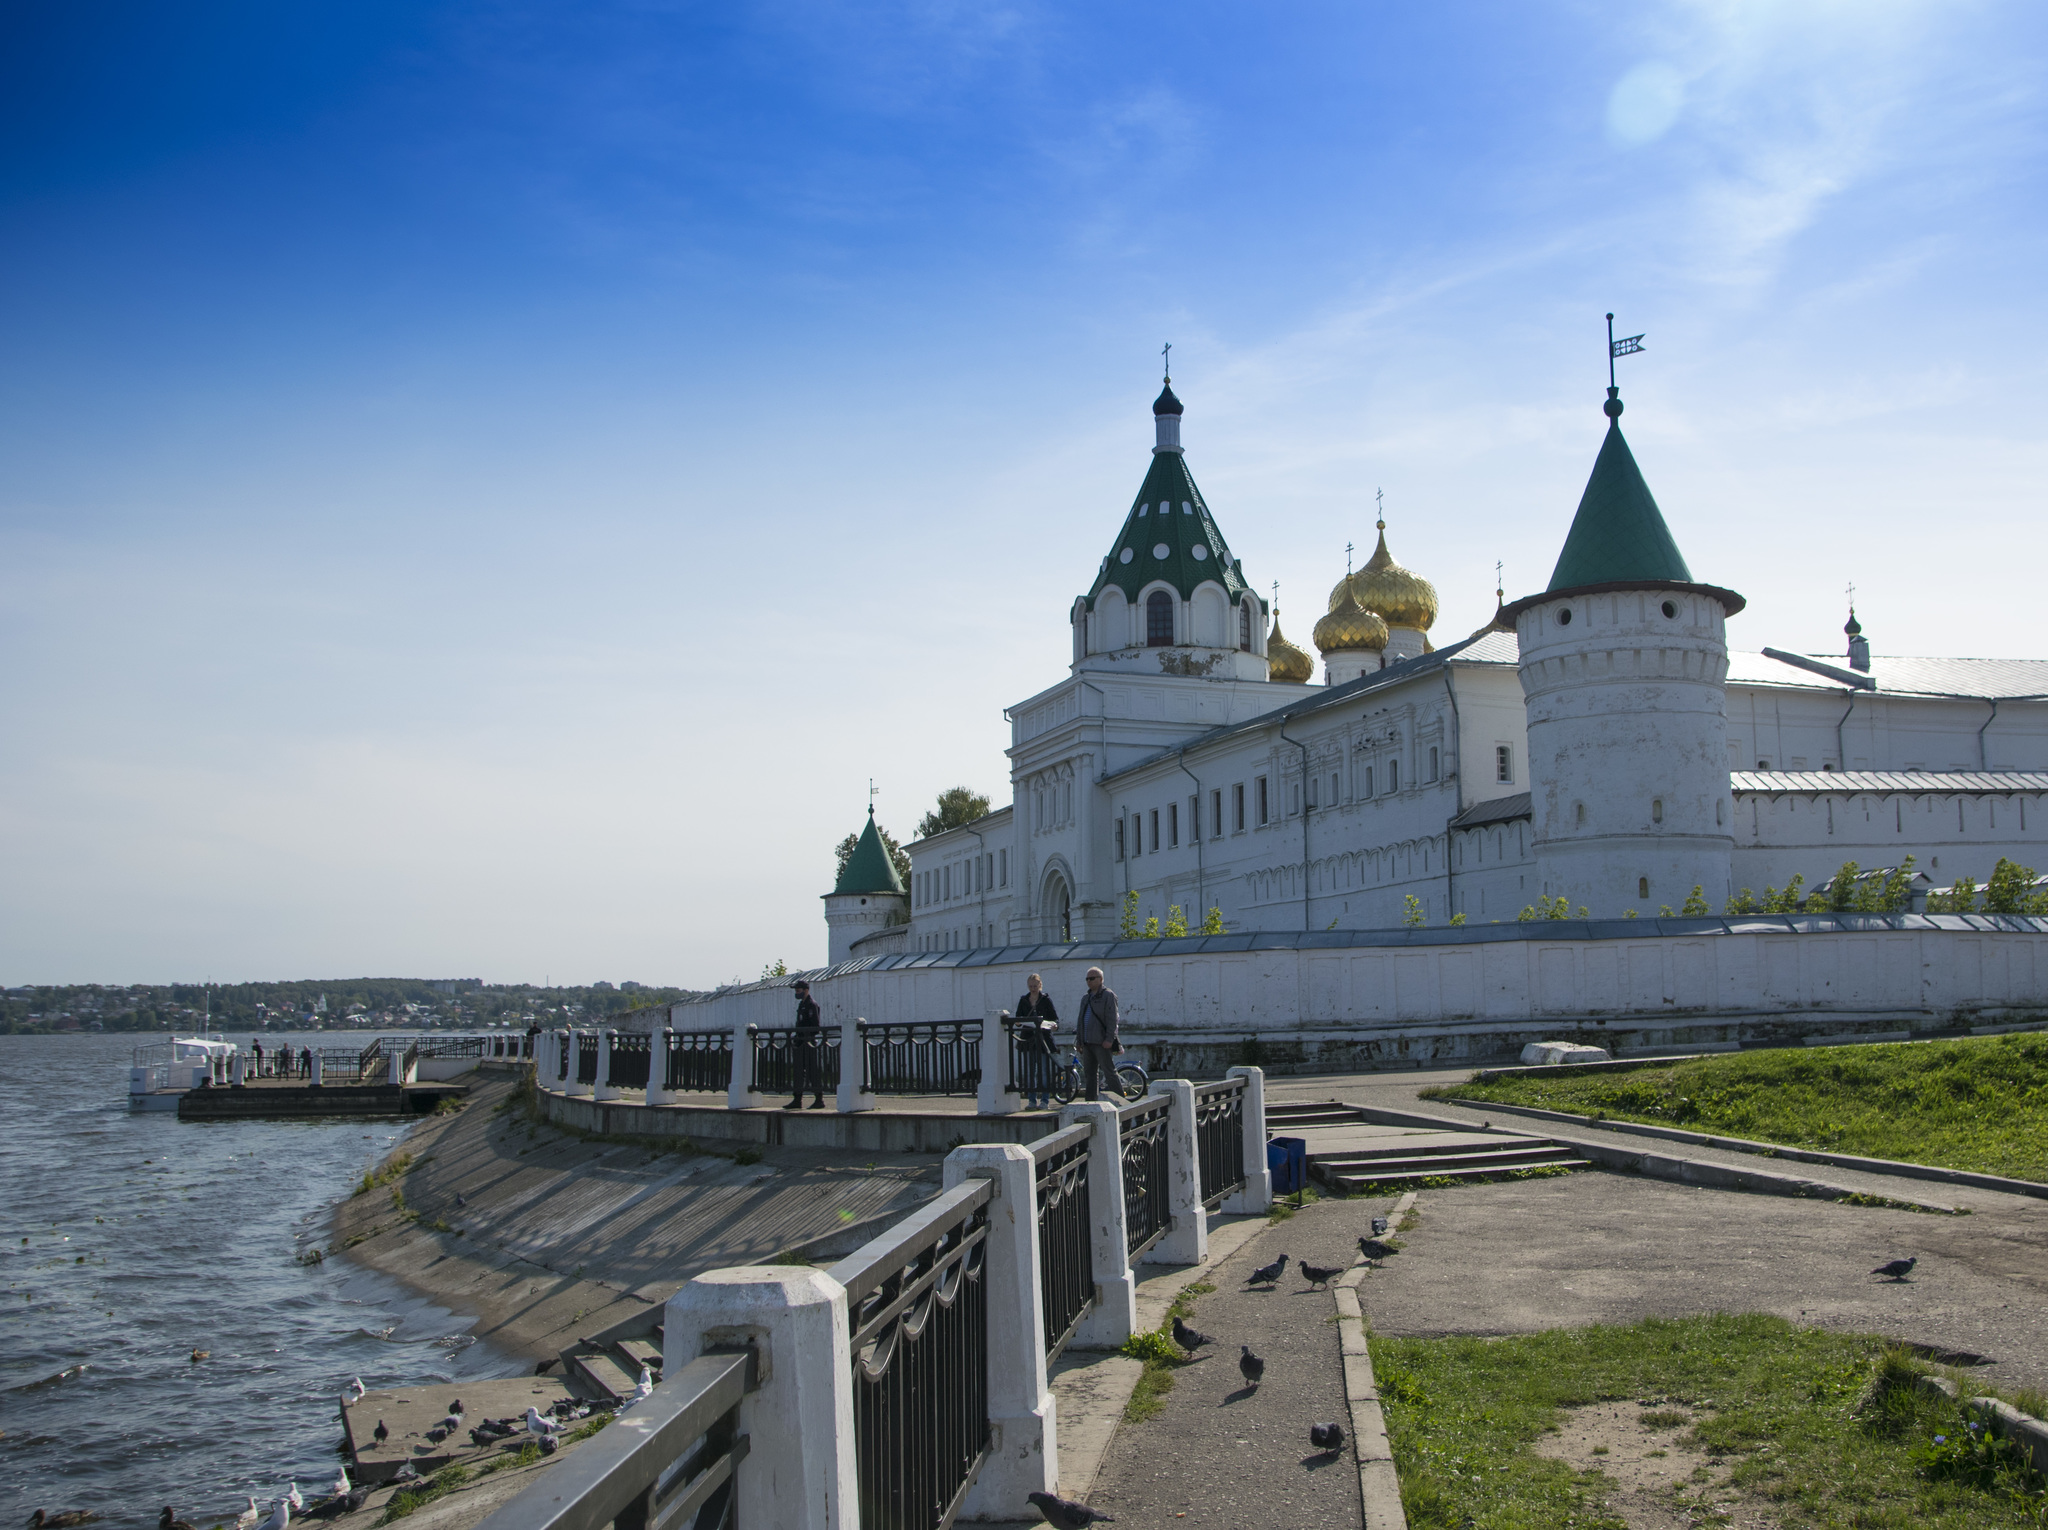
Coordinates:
1815 1427
1978 1103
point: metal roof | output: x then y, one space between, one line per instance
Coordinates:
1483 647
1981 679
1815 782
1496 810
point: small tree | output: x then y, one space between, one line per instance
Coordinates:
1127 927
1788 901
957 807
2011 889
1151 930
1960 899
1413 917
1213 924
1842 889
1176 922
1457 921
1695 907
775 969
1743 902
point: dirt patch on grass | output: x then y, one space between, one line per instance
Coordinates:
1664 1477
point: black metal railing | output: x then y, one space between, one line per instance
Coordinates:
340 1065
1141 1130
370 1060
641 1472
1032 1066
562 1057
917 1304
700 1060
921 1057
1066 1272
775 1055
1219 1137
451 1046
632 1053
586 1057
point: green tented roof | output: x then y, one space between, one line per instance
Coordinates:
869 869
1619 534
1169 512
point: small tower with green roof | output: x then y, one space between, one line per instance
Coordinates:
867 898
1170 598
1624 664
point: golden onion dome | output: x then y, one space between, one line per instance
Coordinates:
1284 661
1348 628
1402 596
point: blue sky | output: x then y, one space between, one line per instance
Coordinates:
483 487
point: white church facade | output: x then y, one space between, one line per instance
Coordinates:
1598 741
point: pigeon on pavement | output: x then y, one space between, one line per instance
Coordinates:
1266 1274
380 1434
1326 1436
1379 1226
1897 1268
1250 1365
1372 1248
1187 1338
1065 1514
1318 1275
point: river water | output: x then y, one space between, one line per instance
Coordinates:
131 1240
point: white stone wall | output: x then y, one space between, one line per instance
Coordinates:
963 883
1949 834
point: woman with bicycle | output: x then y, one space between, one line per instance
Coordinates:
1036 1024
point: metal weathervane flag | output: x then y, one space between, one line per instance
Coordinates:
1626 347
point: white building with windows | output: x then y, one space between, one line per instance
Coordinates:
1598 741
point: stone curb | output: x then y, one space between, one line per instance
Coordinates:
2029 1433
1684 1171
1379 1488
1890 1166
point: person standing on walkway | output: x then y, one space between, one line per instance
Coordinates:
256 1047
804 1049
1095 1029
1036 1023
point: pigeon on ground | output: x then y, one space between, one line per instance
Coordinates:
459 1199
1318 1275
246 1520
292 1497
438 1433
1250 1366
1898 1269
549 1444
1326 1436
455 1408
1065 1514
1379 1226
1266 1274
169 1521
1372 1248
1187 1338
380 1434
339 1504
406 1473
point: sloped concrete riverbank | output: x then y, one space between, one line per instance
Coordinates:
547 1236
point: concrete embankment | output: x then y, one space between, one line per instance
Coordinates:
557 1237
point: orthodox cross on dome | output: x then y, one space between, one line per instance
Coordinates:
1166 360
1379 497
1500 583
1852 597
1347 560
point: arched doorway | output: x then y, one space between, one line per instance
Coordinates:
1058 908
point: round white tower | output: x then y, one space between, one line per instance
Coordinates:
1624 666
868 896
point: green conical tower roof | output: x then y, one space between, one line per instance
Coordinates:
1619 535
1169 513
870 869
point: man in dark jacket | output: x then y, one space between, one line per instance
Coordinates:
1095 1028
1036 1023
805 1050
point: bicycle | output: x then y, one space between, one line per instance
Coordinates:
1132 1081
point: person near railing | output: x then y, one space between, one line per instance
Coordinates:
1036 1024
256 1050
804 1049
1095 1029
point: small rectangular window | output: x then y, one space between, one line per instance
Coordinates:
1237 808
1503 762
1119 838
1002 868
1432 763
1155 831
1173 825
1393 775
1335 783
1264 807
948 877
1216 815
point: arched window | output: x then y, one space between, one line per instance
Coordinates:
1159 620
1244 625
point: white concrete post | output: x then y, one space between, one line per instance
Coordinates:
994 1096
574 1083
740 1094
1114 1317
1187 1241
1023 1452
603 1089
319 1072
1256 1198
800 1471
236 1075
395 1067
853 1058
657 1068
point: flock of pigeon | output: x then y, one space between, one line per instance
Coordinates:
1069 1514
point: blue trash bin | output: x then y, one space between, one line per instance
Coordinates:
1287 1162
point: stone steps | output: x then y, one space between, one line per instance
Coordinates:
1348 1152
